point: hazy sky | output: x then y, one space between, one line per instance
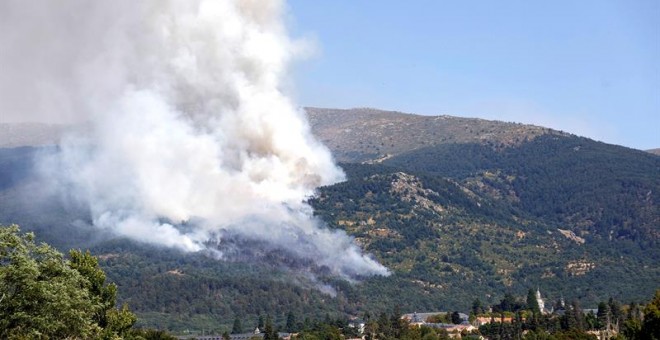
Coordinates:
587 67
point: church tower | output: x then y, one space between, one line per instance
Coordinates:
539 300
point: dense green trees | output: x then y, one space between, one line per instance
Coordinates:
291 325
456 318
45 296
605 189
270 331
113 322
237 328
41 295
477 307
532 303
604 316
651 325
612 321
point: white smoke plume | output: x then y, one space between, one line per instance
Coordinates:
186 120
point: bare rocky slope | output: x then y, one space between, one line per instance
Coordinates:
364 134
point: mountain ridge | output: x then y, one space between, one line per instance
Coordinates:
20 134
455 219
365 134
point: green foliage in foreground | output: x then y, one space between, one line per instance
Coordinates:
44 296
651 326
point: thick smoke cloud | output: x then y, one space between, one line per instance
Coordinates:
187 137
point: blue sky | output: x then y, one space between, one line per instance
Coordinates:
587 67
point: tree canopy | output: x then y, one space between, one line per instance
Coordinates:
44 295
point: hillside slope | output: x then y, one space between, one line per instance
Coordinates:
457 242
527 183
458 208
592 188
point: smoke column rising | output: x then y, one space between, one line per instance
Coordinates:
187 122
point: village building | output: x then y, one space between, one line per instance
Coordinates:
454 330
484 320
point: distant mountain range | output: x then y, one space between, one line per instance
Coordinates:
458 208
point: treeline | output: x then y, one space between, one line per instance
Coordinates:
178 291
517 319
512 318
385 326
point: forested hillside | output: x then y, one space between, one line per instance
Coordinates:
451 239
594 189
471 209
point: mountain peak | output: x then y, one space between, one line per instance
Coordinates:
366 134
